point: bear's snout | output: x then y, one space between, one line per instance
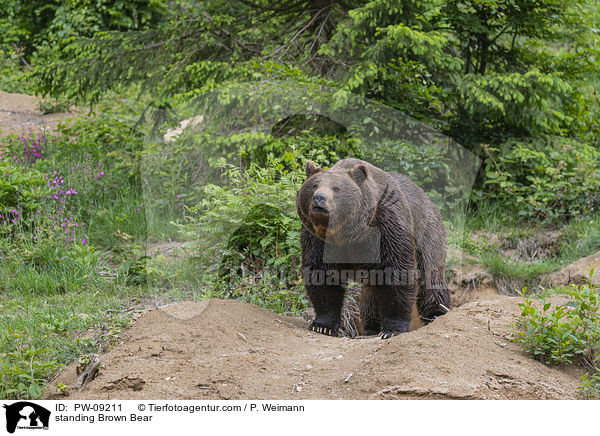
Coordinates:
320 199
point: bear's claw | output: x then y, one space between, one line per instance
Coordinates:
323 330
387 335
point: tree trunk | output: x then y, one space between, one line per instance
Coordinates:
484 45
468 61
512 44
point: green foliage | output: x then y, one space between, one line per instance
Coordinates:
566 333
99 158
488 30
23 372
176 172
543 180
511 83
580 238
512 274
270 292
23 191
483 71
38 336
527 104
205 43
425 164
61 196
513 80
37 24
394 51
52 106
250 243
166 60
251 220
12 77
132 261
49 267
590 386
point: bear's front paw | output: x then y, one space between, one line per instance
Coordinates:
323 329
388 334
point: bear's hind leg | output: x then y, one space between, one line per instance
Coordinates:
433 301
369 316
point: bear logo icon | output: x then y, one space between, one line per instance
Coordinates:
27 415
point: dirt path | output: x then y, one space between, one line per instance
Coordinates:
224 349
19 114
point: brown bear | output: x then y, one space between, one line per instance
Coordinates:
364 225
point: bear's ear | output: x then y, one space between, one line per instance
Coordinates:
311 169
358 173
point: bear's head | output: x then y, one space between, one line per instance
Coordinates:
336 205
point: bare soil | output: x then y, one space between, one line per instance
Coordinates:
225 349
19 114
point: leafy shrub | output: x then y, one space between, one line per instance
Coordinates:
23 191
252 219
543 180
565 334
249 235
23 370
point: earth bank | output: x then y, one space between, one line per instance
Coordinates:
226 349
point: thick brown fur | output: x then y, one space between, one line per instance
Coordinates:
358 218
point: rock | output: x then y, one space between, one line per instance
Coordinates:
577 273
173 134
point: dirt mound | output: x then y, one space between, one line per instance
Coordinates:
224 349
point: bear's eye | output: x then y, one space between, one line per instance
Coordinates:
336 189
315 186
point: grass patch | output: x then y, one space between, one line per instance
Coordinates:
510 254
512 275
580 238
40 335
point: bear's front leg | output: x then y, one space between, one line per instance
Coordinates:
327 302
327 299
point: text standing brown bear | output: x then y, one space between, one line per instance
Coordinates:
362 224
